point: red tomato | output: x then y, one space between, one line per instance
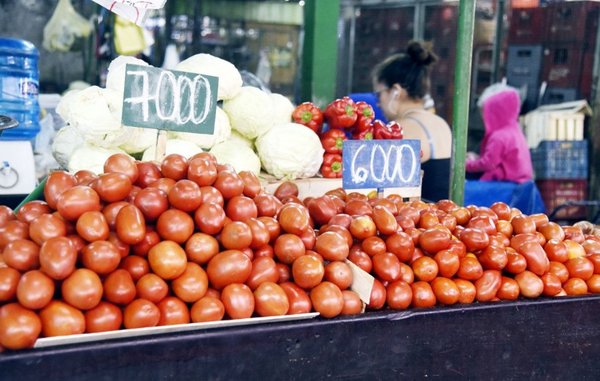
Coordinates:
152 202
174 166
401 245
238 300
9 280
509 289
45 227
289 247
580 267
560 270
530 284
119 287
32 210
110 212
284 272
190 286
141 313
82 289
434 240
102 318
298 298
386 266
448 263
227 267
293 218
322 209
352 303
361 259
135 266
148 172
56 183
167 259
102 257
77 200
308 271
474 239
467 291
488 285
515 262
575 286
378 295
19 327
210 218
236 235
362 227
130 225
201 247
84 177
493 258
327 299
22 255
241 208
173 311
229 184
122 163
58 257
12 231
339 273
332 246
185 195
373 245
151 287
425 268
537 260
175 225
445 291
201 171
270 300
264 269
211 195
206 309
423 295
61 319
252 186
399 295
267 205
552 284
151 238
35 290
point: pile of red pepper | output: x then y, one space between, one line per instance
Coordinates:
344 118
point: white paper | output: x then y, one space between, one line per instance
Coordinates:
135 14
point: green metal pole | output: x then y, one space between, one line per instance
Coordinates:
319 56
462 83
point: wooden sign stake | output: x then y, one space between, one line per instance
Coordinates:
161 145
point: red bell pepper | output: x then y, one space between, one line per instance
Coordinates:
332 166
333 140
392 130
310 115
365 116
363 135
341 113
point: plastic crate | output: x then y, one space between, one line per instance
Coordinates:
558 192
560 160
526 25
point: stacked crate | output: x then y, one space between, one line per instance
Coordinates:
553 44
561 170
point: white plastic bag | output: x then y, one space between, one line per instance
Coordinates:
64 27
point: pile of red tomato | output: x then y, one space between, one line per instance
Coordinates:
148 244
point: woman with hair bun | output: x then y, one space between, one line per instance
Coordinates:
401 83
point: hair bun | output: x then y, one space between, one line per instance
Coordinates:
420 53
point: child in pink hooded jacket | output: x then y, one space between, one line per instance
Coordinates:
504 153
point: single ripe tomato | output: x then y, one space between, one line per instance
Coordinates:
467 291
236 235
82 289
327 299
61 319
102 318
119 287
401 245
209 308
151 287
238 300
378 295
45 227
152 202
270 300
423 295
399 295
434 240
425 268
9 280
332 246
307 271
32 210
190 286
56 183
445 290
167 260
141 313
135 266
35 290
173 311
530 284
77 200
58 257
340 274
509 289
227 267
102 257
298 298
175 225
22 255
185 195
130 225
19 327
289 247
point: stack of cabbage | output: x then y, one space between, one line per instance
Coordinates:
252 128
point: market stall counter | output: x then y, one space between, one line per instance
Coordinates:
542 339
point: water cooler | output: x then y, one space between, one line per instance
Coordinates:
19 118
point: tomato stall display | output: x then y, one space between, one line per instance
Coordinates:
148 244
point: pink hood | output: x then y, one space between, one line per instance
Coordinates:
504 153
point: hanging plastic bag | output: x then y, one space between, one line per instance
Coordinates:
64 27
129 38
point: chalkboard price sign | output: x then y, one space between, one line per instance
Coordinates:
169 100
381 164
